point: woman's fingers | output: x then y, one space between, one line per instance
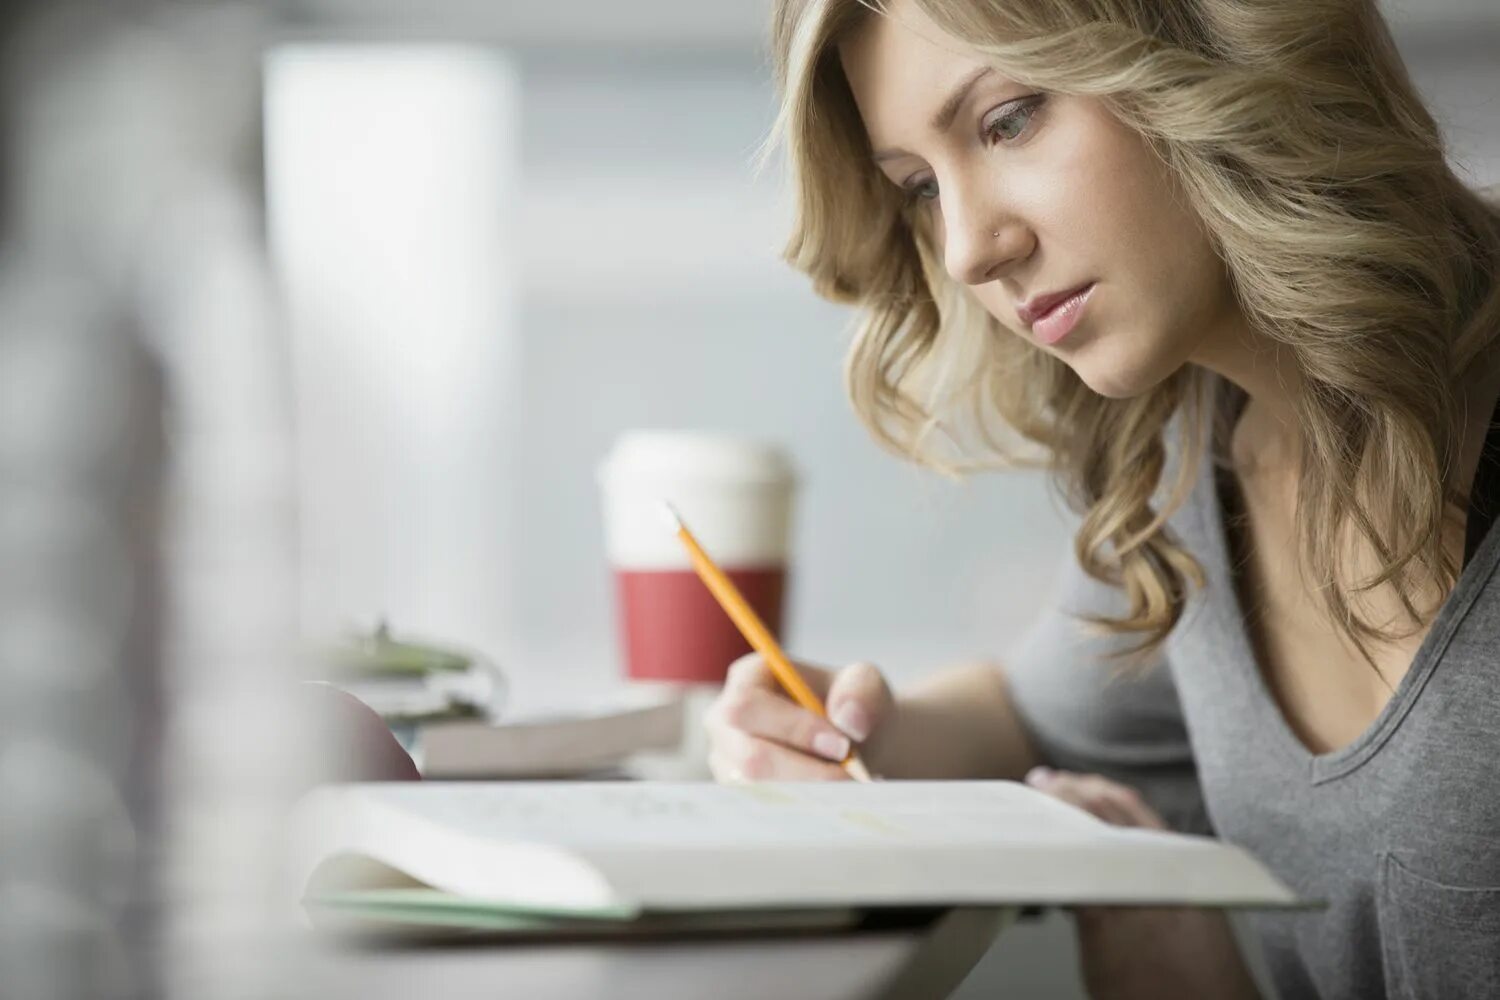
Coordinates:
758 712
858 699
1109 800
752 671
757 732
738 756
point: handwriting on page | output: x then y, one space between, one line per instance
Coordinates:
664 815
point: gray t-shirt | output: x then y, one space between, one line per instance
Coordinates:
1399 832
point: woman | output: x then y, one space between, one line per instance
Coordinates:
1206 254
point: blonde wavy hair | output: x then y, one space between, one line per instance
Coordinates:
1320 177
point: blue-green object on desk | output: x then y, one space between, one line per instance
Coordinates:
379 655
409 683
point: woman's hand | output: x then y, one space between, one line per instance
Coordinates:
1136 953
757 733
1111 801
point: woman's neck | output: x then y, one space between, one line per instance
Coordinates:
1267 373
1267 435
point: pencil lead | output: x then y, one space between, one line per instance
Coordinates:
672 518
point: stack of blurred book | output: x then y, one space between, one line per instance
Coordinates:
583 739
409 683
445 706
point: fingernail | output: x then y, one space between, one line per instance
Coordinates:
831 745
1038 776
853 720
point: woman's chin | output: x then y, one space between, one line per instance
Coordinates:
1120 378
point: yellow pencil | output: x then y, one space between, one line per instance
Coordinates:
755 632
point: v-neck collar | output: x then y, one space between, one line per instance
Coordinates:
1223 599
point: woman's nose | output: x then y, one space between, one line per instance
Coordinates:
983 245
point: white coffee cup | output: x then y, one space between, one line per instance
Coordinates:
736 495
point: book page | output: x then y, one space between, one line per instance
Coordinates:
671 815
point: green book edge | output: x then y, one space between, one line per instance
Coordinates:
426 907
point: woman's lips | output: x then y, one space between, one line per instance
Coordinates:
1052 318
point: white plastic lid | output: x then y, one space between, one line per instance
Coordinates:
651 456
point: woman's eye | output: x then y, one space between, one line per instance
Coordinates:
926 190
1011 122
1008 124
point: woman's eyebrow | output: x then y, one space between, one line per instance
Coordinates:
943 119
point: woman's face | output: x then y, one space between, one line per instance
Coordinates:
1060 219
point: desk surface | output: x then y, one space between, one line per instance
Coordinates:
924 961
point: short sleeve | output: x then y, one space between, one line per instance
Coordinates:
1085 714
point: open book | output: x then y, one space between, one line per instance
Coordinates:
627 850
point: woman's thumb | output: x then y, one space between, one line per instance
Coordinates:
858 699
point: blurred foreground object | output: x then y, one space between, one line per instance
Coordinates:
359 745
146 737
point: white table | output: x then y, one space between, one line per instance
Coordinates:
921 959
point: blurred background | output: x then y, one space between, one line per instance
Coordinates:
319 311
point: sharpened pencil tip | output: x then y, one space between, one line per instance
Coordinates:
670 516
857 769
